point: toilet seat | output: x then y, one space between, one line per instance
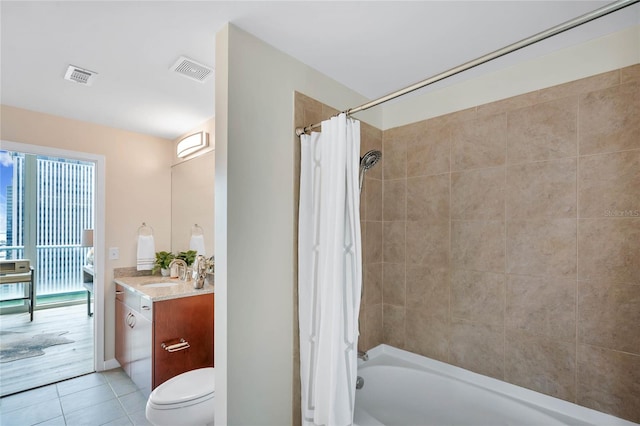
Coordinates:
186 389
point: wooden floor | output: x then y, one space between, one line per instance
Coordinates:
59 362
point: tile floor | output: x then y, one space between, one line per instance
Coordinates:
105 398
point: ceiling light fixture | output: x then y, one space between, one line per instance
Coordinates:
192 143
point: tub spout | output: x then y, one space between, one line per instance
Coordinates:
363 355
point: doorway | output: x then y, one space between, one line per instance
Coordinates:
48 216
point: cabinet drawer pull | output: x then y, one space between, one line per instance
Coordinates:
131 321
176 347
119 292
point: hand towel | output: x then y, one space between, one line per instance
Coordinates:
197 244
146 253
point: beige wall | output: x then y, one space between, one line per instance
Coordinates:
611 52
255 205
511 237
138 184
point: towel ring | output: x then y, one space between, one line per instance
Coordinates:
196 230
145 230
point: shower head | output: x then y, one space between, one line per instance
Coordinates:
370 159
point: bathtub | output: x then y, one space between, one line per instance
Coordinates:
402 388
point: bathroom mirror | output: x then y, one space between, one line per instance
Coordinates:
192 201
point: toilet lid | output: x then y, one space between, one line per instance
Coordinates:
185 387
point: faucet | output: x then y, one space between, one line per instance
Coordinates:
182 269
199 271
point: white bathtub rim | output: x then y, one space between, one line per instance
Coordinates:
389 355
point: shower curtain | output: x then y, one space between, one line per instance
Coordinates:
329 271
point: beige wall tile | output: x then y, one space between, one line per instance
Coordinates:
478 194
427 335
394 242
428 198
373 321
312 111
542 247
541 364
298 114
453 118
542 306
328 111
477 347
428 243
630 73
609 381
477 245
373 242
455 308
509 104
371 138
429 152
427 289
609 315
363 236
393 284
479 143
478 296
394 143
609 250
372 283
609 184
394 199
393 326
372 189
578 87
542 189
608 119
543 131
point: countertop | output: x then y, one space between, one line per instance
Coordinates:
181 289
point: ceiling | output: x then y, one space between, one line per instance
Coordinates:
372 47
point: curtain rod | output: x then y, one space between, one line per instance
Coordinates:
583 19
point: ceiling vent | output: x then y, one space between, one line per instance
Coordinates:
80 75
192 69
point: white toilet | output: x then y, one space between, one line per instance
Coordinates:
186 399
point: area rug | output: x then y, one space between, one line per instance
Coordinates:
15 346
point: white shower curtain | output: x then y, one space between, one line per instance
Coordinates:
329 271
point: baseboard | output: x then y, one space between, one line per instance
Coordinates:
110 364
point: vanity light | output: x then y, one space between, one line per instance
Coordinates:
192 143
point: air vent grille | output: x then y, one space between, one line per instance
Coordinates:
192 69
80 75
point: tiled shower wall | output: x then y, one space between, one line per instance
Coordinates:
510 241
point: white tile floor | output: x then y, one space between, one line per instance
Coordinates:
106 398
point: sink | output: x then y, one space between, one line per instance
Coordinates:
159 285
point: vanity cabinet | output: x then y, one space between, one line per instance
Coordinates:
134 337
157 340
189 319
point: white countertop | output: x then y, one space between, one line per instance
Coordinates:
181 289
